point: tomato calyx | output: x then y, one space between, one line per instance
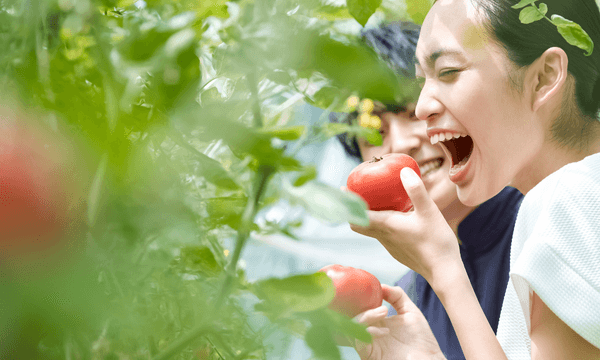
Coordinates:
376 159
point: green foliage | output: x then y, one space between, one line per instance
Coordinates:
362 10
570 31
417 9
573 33
179 113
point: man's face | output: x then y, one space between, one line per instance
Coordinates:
403 133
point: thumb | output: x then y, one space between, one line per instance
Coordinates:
396 297
415 189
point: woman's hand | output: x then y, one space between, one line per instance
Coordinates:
420 239
403 336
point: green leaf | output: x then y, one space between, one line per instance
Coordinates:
96 189
361 10
371 135
321 342
339 324
530 14
309 173
328 203
333 129
348 327
179 42
326 96
573 33
279 77
213 171
226 210
543 8
287 133
215 121
198 260
523 3
210 169
299 293
418 9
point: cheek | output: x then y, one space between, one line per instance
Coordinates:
443 193
368 152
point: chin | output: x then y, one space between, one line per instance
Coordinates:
473 196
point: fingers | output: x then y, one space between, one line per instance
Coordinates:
378 331
377 219
373 319
416 190
372 316
397 298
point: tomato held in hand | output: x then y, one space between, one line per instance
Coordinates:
377 181
356 290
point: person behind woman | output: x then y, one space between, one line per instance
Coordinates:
511 104
484 232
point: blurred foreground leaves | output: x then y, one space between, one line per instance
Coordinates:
179 117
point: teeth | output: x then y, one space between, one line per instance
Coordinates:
434 139
430 166
444 136
457 167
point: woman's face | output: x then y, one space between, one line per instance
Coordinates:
403 133
483 124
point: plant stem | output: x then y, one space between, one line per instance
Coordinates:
182 342
261 180
256 112
250 211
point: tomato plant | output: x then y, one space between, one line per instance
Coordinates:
356 290
174 123
377 181
174 120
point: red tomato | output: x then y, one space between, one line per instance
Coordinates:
377 181
34 188
356 290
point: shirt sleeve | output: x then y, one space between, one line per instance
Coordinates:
560 257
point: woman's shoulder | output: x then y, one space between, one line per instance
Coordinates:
556 245
562 213
573 182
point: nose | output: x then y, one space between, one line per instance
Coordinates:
407 137
428 105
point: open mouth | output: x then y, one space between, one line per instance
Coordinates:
460 148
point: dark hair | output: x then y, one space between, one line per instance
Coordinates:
396 44
525 43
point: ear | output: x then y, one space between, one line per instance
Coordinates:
550 72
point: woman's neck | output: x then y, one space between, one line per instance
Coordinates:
551 157
455 213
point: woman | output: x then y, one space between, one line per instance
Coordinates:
511 104
484 231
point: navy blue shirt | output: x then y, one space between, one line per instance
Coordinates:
486 235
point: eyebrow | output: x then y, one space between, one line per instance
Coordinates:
432 58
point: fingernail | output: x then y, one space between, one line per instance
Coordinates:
409 177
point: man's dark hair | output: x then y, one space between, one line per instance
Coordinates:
395 43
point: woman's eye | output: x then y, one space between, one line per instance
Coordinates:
449 72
